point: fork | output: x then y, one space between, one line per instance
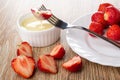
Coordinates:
63 25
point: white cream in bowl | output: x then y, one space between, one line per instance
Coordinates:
38 35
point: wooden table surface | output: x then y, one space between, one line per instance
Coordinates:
10 10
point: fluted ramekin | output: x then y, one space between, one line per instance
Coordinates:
37 38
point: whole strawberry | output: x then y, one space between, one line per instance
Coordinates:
113 32
99 17
102 7
112 15
96 27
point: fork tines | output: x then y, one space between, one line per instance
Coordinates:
42 8
57 22
54 20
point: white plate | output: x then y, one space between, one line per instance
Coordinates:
92 49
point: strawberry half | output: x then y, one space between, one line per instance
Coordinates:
58 52
46 63
25 49
41 14
23 66
113 32
74 64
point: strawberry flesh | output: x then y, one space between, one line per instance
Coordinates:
46 63
23 66
41 14
74 64
25 49
58 52
46 14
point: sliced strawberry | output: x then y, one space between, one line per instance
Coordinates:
46 63
58 52
113 32
74 64
41 14
23 66
46 14
25 49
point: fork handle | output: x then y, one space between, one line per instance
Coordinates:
102 37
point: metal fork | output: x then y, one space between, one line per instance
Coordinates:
63 25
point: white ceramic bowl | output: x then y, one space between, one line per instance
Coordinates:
37 38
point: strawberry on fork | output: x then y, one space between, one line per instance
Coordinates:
41 14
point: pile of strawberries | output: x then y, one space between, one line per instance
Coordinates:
24 64
106 21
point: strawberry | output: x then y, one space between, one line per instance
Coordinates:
25 49
112 15
102 7
46 14
74 64
96 27
46 63
99 17
23 66
58 52
113 32
41 14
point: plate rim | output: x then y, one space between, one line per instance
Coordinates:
89 59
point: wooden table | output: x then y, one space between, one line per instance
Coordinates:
10 10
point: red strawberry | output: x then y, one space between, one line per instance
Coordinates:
102 7
113 32
58 52
96 27
74 64
99 17
23 66
25 49
41 14
46 14
46 63
112 15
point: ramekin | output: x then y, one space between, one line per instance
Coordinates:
37 38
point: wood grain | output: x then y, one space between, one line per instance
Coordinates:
10 10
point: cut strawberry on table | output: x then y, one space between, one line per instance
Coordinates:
23 66
58 51
46 63
113 32
41 14
74 64
25 49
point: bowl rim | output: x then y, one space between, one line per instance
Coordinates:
22 17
